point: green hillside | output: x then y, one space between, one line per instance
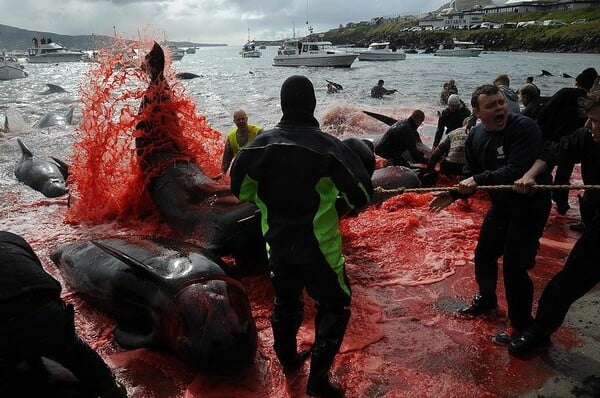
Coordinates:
581 37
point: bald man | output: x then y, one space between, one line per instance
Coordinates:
237 138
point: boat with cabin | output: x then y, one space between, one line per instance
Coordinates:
10 68
51 53
461 49
305 52
381 52
249 50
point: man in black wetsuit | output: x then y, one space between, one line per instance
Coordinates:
294 173
581 271
402 137
498 151
35 323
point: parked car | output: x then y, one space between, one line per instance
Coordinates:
553 22
578 21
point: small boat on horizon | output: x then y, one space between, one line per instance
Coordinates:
298 52
10 68
461 49
381 52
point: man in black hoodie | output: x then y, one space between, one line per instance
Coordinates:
402 138
35 323
295 173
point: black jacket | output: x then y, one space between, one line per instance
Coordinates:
561 115
502 157
401 136
21 273
294 174
450 120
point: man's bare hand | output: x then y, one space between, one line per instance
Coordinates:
524 184
440 201
467 186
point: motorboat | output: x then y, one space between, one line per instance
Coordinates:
381 52
10 68
190 50
51 53
461 49
176 53
299 52
249 50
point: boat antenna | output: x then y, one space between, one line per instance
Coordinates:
310 28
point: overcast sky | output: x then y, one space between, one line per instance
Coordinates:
202 21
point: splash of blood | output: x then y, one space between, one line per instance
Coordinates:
106 180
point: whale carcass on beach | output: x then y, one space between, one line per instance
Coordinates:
44 176
163 292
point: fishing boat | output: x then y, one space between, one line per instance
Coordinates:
10 68
381 52
249 50
299 52
461 49
51 53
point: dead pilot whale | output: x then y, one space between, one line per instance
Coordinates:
163 292
44 176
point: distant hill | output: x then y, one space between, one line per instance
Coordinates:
12 38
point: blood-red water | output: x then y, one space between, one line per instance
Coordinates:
408 268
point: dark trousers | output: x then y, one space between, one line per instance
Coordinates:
562 176
49 331
290 274
511 231
579 275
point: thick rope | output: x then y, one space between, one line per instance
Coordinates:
487 187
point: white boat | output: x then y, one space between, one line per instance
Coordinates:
50 53
297 52
381 52
461 49
10 68
249 50
176 53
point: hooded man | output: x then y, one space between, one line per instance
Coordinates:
35 323
294 173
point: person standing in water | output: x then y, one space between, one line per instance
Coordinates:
295 174
237 138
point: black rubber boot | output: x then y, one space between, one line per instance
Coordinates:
285 321
330 326
319 384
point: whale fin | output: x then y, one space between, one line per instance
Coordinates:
382 118
62 167
53 88
26 152
546 73
69 116
566 75
336 85
132 263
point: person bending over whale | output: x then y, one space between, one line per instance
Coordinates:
36 323
185 197
294 174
